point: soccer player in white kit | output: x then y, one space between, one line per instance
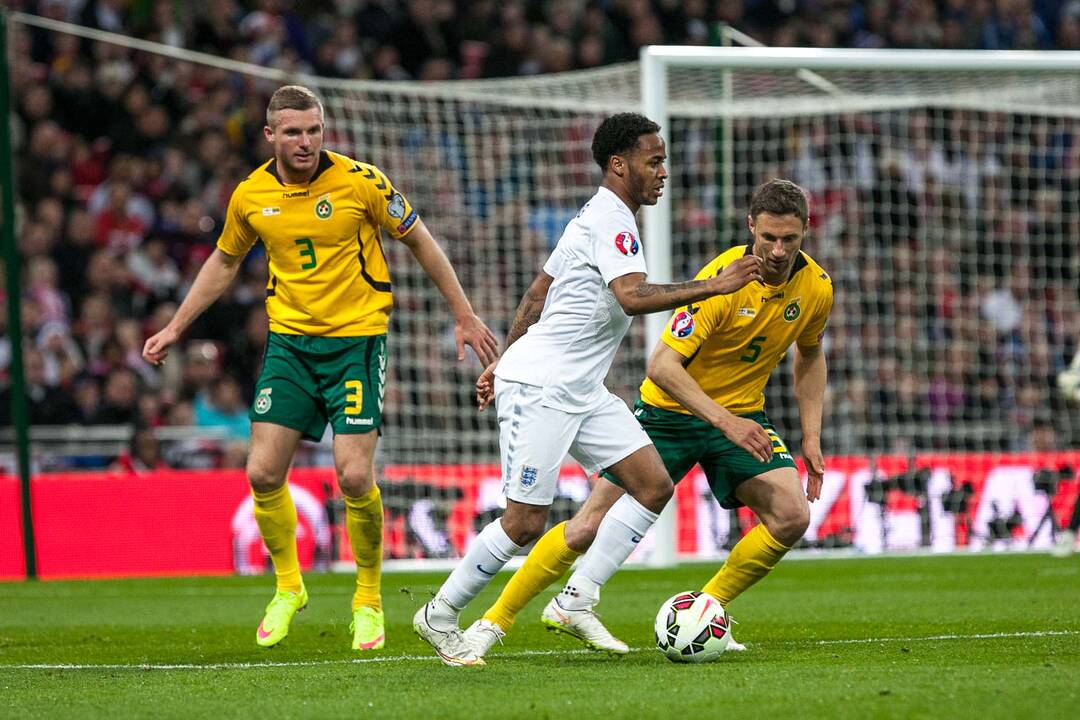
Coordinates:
550 396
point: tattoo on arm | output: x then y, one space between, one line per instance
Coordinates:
528 312
647 289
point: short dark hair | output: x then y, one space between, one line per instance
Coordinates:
291 97
618 135
780 197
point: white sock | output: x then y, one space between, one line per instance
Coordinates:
491 549
619 533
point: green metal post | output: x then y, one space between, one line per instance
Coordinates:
19 415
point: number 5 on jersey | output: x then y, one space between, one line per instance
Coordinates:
753 350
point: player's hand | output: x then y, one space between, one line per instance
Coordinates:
815 468
157 346
472 331
740 272
750 436
485 387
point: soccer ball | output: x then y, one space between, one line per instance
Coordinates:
692 627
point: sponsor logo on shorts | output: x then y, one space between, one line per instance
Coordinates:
682 325
528 476
359 421
263 402
407 223
324 209
626 243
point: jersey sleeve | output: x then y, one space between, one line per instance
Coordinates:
555 263
815 329
617 249
237 236
386 205
692 324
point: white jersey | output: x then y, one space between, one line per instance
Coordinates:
569 350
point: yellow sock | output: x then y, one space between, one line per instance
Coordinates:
546 563
275 514
364 520
751 559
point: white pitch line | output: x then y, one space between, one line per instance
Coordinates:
273 664
509 655
981 636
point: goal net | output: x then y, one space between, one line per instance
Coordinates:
945 205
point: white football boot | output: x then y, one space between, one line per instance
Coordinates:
482 636
584 625
449 645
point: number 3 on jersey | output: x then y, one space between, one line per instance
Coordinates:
307 249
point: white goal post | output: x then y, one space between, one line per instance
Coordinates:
1011 81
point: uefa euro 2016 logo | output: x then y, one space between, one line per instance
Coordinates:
682 325
626 243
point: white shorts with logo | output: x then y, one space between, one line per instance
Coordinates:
533 440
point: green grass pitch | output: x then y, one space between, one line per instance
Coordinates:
984 636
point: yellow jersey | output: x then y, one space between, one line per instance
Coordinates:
733 342
328 273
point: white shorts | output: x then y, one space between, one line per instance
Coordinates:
533 440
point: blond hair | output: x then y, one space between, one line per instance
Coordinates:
292 97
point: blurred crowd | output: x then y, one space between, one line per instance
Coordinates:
950 236
442 39
126 162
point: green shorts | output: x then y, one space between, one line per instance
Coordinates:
685 440
308 381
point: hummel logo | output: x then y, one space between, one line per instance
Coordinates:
481 569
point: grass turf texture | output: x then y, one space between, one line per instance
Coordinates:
827 638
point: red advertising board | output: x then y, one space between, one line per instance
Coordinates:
11 530
173 522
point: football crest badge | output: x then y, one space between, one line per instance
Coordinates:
323 208
792 311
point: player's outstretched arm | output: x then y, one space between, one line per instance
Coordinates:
811 374
214 276
666 369
468 328
528 312
638 297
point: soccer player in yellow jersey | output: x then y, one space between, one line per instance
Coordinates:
703 402
320 216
